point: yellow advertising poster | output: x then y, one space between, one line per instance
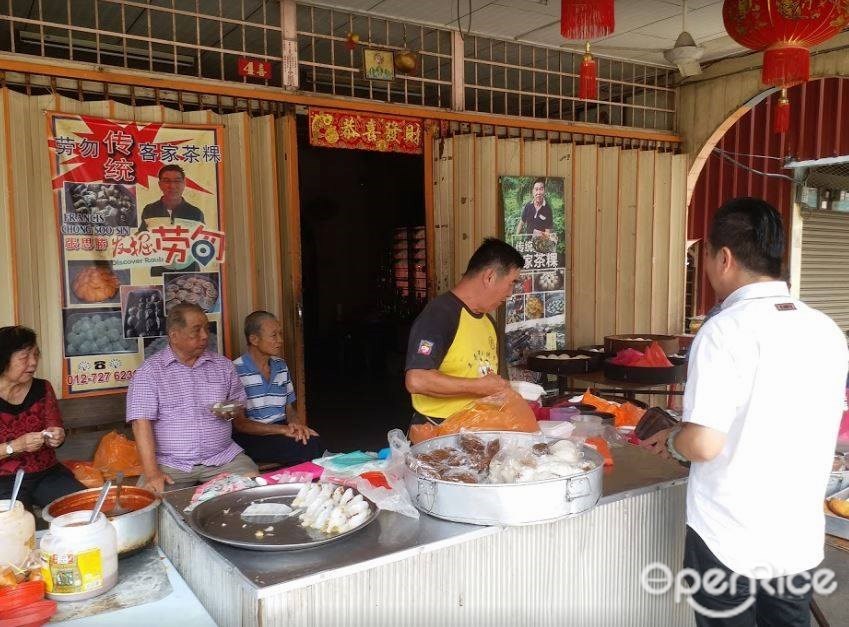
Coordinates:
139 215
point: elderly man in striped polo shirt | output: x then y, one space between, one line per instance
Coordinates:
274 434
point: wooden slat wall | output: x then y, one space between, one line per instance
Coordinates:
289 236
465 205
626 258
607 235
8 292
443 207
582 302
660 243
250 207
266 222
625 221
643 241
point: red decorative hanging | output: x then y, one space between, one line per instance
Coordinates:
588 77
586 19
784 30
781 114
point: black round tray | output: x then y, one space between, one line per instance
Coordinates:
649 376
564 366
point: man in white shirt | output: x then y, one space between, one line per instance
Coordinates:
762 408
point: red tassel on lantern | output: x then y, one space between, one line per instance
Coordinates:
781 114
785 66
586 19
588 77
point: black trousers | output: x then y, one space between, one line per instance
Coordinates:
772 606
278 449
41 488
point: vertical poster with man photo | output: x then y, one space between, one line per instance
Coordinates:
534 213
136 203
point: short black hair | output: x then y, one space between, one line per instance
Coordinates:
176 318
171 167
752 230
494 253
253 323
12 340
538 180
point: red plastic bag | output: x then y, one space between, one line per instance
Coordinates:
654 357
117 453
85 473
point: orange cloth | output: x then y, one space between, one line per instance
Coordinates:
603 449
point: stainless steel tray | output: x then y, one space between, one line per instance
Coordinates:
510 504
837 525
220 519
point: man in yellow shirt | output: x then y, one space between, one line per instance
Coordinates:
452 354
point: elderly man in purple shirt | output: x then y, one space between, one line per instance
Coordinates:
180 441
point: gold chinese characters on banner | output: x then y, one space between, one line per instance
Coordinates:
363 131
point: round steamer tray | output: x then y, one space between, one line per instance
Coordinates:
207 519
648 376
538 363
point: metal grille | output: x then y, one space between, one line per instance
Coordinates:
328 66
532 81
201 38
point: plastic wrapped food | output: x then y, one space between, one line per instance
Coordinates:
506 411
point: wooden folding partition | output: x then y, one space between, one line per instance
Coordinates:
29 248
624 217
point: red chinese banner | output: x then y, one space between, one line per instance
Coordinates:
139 219
364 131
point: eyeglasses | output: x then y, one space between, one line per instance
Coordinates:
171 180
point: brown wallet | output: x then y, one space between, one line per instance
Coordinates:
655 419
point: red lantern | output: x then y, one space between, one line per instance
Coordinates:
781 114
784 30
586 19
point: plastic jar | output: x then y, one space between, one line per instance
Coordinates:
79 559
17 538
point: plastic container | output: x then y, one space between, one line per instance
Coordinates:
79 559
563 413
17 537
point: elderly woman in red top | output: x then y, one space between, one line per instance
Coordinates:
30 424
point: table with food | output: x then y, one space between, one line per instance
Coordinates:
524 505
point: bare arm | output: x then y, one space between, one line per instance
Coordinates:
434 383
296 430
143 434
695 442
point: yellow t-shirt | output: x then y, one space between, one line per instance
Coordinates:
448 337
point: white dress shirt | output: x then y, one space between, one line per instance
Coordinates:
769 372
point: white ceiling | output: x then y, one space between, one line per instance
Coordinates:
643 27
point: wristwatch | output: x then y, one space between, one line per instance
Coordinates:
9 450
670 445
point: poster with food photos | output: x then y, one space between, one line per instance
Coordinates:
535 314
139 212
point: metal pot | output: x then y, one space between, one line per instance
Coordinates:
503 503
136 529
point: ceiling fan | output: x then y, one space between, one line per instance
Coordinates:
685 54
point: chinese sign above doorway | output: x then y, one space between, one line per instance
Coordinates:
364 131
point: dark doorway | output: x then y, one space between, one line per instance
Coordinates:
355 205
